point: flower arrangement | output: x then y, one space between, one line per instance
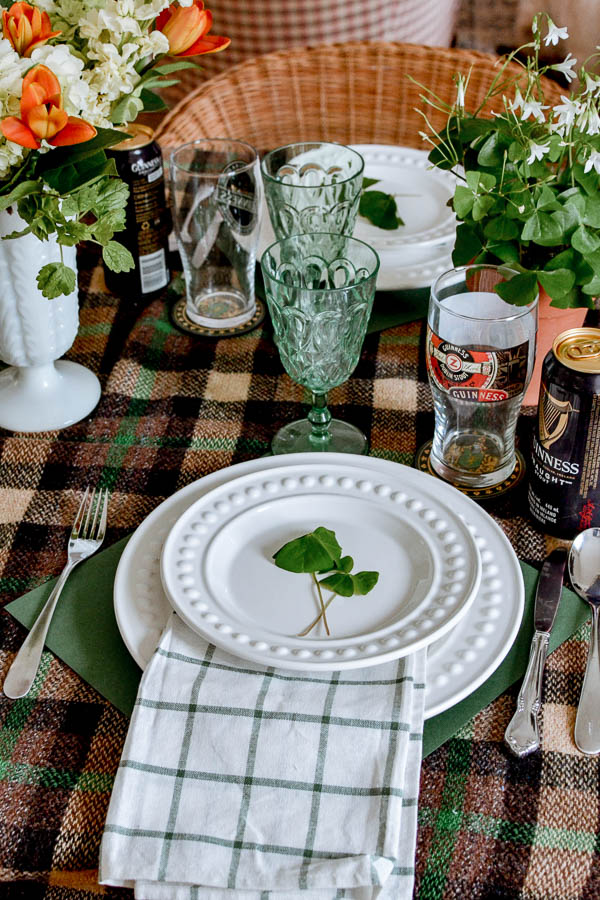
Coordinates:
70 71
529 175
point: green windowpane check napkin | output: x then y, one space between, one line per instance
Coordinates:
239 780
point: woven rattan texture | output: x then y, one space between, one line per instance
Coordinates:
361 92
173 408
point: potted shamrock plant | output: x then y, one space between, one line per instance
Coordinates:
528 164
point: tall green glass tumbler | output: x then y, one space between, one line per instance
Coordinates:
320 290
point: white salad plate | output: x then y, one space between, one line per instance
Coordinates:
421 192
457 663
217 565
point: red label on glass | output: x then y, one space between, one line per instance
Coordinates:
486 376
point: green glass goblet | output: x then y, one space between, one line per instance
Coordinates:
312 187
319 290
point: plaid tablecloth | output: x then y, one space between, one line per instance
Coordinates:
174 408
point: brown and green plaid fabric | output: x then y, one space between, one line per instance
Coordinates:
174 408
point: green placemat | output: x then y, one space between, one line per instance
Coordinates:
84 634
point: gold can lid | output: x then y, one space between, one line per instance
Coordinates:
579 349
139 136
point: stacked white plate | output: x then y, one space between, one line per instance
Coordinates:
449 579
414 254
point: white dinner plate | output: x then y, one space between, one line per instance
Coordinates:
421 192
457 664
218 571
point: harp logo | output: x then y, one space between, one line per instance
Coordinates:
553 418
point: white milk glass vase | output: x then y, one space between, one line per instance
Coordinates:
37 393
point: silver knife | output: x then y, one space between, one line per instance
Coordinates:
522 735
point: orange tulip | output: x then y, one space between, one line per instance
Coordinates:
42 115
26 27
187 27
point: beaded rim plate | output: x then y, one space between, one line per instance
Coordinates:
217 566
457 663
421 192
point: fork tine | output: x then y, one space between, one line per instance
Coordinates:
86 528
92 529
79 517
103 516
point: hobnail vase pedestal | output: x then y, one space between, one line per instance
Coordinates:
38 391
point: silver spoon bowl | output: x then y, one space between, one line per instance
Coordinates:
584 572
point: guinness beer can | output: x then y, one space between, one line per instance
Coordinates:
564 496
139 163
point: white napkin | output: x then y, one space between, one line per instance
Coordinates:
243 781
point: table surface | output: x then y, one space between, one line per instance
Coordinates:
174 408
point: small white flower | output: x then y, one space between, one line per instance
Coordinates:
593 122
537 151
566 67
555 34
567 111
460 93
517 103
533 107
593 161
592 84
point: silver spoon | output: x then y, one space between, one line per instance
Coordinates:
584 571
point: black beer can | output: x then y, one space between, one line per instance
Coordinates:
564 496
139 163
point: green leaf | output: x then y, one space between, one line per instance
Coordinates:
520 290
467 246
481 207
62 156
501 229
69 178
369 182
364 582
152 102
546 200
126 110
339 583
463 201
592 287
480 181
24 189
592 211
55 279
345 564
505 251
317 551
543 229
380 209
556 282
176 66
563 260
585 240
348 585
492 151
117 258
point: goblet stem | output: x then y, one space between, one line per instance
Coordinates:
319 417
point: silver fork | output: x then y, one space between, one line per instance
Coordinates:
86 537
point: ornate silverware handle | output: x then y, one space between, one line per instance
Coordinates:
522 734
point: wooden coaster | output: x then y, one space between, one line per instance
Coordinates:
423 462
182 321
